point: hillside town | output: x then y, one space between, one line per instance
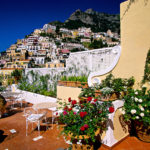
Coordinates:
44 46
81 84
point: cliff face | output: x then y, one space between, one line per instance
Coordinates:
90 18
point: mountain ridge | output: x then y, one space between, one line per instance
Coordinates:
98 22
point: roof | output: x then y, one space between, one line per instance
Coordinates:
11 68
65 51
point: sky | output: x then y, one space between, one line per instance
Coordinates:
20 17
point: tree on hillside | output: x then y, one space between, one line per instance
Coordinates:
97 44
17 74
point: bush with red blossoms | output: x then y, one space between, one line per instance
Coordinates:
69 99
74 102
84 119
111 109
89 99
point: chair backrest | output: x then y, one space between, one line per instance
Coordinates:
29 110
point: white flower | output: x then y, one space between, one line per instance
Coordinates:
142 109
123 112
132 97
136 99
143 86
136 93
133 111
142 114
140 100
137 117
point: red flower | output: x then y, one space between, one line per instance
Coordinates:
74 102
66 108
86 126
100 112
74 113
111 109
81 102
82 106
65 113
93 103
89 99
56 113
95 100
82 114
69 99
82 128
70 109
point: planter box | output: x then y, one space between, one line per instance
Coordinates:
73 84
112 97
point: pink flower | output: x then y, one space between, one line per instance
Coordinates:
74 113
56 113
93 103
86 126
65 113
100 112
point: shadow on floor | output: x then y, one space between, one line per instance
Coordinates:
11 112
2 137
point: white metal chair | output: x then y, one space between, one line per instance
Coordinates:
55 114
34 116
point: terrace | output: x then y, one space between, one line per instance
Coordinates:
104 108
50 140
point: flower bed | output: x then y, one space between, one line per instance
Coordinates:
84 119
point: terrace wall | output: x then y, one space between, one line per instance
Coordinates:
135 39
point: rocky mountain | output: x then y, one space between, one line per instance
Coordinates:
99 22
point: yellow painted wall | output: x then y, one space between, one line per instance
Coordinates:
120 127
135 39
64 92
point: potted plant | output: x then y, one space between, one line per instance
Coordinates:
118 85
107 94
137 108
84 122
86 93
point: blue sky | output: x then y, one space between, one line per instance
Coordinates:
20 17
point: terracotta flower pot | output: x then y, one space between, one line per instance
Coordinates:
83 99
85 146
143 132
98 93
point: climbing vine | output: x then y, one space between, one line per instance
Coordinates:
146 77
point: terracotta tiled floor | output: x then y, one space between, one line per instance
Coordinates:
50 141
